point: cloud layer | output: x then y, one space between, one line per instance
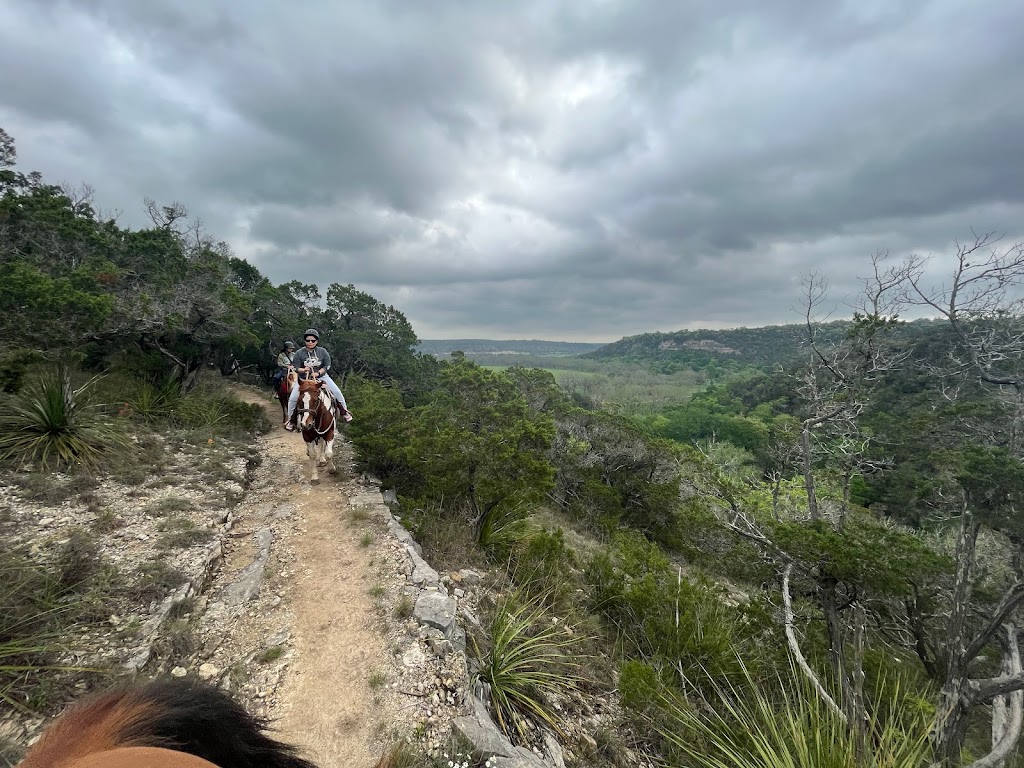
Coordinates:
562 169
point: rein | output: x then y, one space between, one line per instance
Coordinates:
314 411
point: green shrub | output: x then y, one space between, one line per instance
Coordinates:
56 425
181 532
543 566
154 581
154 402
662 616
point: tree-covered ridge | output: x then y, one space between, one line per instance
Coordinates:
444 347
766 347
862 498
167 300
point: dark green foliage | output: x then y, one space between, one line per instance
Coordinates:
661 616
474 442
866 554
166 302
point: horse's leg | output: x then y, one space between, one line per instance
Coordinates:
329 455
311 451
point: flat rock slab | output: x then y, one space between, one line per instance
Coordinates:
436 610
249 581
487 740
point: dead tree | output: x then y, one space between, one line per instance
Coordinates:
982 304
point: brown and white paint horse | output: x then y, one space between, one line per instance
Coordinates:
170 723
317 423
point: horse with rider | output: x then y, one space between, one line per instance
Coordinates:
311 363
315 403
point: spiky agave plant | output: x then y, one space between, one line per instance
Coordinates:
529 658
54 424
751 724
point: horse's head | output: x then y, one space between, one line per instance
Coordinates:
309 402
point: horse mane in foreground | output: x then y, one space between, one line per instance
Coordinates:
167 723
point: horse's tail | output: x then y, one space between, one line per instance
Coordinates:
179 714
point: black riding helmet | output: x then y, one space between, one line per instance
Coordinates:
289 345
311 332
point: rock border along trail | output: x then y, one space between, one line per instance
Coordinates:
291 623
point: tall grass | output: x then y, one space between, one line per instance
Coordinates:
752 724
55 424
529 659
39 606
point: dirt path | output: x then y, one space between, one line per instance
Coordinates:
325 702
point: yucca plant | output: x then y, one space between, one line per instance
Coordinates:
752 725
153 402
57 425
529 658
502 530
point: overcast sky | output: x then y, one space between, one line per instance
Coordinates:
561 169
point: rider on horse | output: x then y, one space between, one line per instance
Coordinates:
284 362
313 362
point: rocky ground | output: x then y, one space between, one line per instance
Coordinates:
310 603
295 597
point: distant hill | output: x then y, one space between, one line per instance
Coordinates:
766 346
444 347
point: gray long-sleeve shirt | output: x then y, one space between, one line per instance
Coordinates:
317 358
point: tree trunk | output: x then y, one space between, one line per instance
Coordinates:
848 672
805 450
955 700
1007 711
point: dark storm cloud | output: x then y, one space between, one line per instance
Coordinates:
573 169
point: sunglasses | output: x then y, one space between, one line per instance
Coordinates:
309 340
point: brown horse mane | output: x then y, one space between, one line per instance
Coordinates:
182 715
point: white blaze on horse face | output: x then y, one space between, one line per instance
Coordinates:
306 416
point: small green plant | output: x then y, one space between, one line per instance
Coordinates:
153 402
55 424
530 658
106 520
182 608
404 607
180 532
366 540
501 532
154 581
377 679
271 654
166 505
377 590
360 513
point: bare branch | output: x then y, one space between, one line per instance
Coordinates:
794 647
1006 727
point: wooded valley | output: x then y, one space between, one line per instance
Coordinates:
790 546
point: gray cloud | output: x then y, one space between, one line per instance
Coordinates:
571 169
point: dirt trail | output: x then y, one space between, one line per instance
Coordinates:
326 705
